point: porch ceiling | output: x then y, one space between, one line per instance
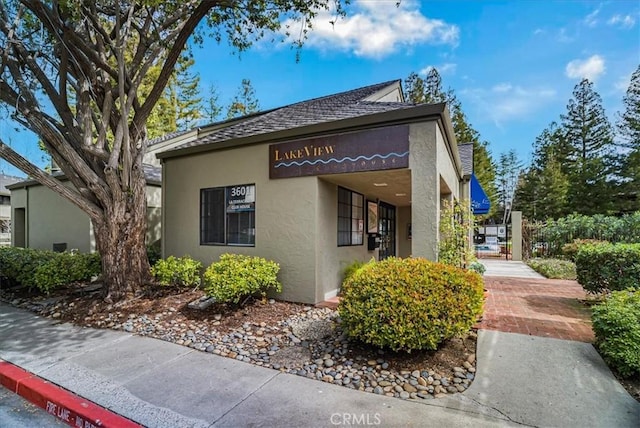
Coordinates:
396 192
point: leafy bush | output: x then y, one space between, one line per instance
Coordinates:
571 250
608 267
616 324
554 268
407 304
456 223
556 233
177 271
66 268
237 276
477 267
154 253
352 268
46 270
18 265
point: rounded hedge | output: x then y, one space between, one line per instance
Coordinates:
407 304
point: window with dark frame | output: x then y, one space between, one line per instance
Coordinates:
350 217
227 215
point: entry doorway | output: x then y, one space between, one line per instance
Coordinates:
387 230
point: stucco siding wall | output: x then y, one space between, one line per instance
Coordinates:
331 259
425 190
52 219
446 166
404 244
286 214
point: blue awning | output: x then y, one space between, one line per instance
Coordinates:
480 203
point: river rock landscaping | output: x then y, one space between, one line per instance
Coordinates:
289 337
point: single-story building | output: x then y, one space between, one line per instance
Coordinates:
315 186
42 219
5 208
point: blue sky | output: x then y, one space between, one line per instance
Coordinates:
513 64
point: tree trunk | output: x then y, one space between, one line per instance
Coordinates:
120 240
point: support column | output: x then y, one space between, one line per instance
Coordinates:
425 190
516 238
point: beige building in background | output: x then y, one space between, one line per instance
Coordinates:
5 208
315 186
42 219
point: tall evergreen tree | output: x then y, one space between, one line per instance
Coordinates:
508 174
629 120
244 102
429 90
212 107
590 138
628 127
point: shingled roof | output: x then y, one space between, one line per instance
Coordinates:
466 158
339 106
7 180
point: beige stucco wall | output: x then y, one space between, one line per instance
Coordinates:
332 260
52 219
425 140
286 214
404 244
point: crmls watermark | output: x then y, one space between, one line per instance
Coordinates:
350 419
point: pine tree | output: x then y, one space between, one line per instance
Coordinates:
244 102
629 159
508 175
590 138
429 90
212 107
187 91
629 120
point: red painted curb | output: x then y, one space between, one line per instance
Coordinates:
64 405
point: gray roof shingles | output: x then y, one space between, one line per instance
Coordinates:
7 180
466 157
344 105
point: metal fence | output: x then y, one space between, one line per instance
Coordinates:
546 239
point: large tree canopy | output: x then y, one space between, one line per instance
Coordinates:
72 72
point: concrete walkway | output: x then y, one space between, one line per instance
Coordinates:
520 380
509 268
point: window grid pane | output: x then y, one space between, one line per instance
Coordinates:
350 217
219 227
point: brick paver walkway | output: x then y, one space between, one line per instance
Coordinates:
538 307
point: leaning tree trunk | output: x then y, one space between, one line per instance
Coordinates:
120 240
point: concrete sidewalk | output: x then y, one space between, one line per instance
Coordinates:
521 380
509 268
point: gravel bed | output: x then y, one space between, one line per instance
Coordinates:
310 344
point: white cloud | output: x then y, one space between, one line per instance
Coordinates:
505 102
563 37
622 84
445 68
502 87
376 29
538 31
625 22
590 68
591 20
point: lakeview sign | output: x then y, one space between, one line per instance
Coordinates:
370 150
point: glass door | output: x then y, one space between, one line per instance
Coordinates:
387 230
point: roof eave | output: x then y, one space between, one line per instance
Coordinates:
399 116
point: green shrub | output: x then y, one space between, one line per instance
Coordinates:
352 268
177 271
154 252
238 276
616 324
608 267
66 268
554 268
407 304
571 250
477 267
18 265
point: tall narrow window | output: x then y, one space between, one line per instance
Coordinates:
227 215
350 217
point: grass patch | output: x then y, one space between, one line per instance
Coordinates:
554 268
